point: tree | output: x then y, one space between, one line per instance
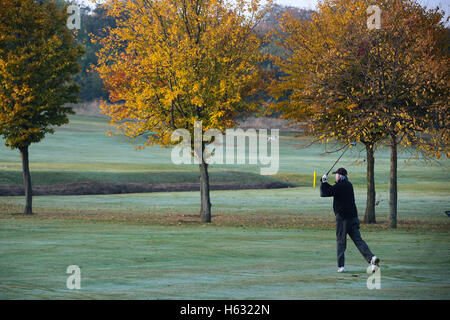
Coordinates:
324 80
37 58
352 83
169 63
93 24
410 80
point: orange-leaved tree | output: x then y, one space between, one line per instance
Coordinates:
323 72
37 58
352 82
170 63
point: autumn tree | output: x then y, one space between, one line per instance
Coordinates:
37 59
351 82
409 77
327 93
170 63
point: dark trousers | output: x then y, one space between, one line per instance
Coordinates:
350 227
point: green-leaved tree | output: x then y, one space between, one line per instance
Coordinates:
37 58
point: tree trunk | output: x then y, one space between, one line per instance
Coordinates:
369 216
205 211
393 183
26 181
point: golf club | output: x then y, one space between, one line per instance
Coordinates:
350 144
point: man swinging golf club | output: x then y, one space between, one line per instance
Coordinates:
347 221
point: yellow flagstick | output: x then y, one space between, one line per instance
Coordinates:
314 183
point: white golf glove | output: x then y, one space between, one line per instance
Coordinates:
325 178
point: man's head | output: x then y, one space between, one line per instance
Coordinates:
340 172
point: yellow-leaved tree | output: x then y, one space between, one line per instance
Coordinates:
170 63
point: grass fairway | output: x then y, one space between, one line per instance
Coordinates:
261 244
128 261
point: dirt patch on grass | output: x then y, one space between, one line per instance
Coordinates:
292 221
93 188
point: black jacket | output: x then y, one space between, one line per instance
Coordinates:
343 198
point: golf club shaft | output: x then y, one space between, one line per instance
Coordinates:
338 159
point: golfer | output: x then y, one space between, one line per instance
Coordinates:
347 221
